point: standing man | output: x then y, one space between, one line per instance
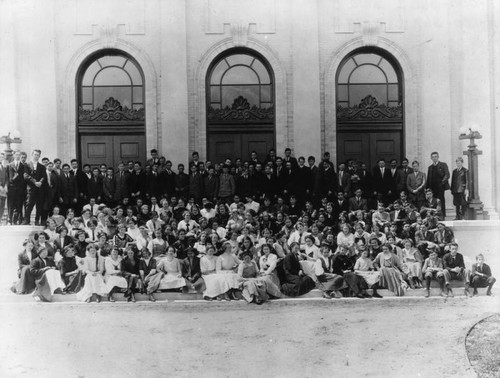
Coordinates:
16 187
402 176
382 180
4 183
416 185
459 188
121 183
68 195
438 175
34 176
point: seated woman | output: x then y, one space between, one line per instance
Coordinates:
50 231
247 246
255 289
81 244
72 276
130 271
113 276
295 282
365 269
267 264
122 240
150 277
412 263
158 246
26 283
191 270
226 266
47 277
329 282
41 242
433 269
171 268
57 217
346 237
92 266
61 241
391 271
343 265
103 246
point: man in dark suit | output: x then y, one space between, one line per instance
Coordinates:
344 180
211 185
16 187
438 175
303 176
121 183
81 183
195 184
315 180
49 191
95 189
480 276
137 182
340 205
459 187
454 267
34 175
268 183
358 202
328 181
153 182
289 158
167 178
382 181
280 175
68 193
181 183
402 176
4 183
365 180
155 159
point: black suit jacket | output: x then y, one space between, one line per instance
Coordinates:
381 184
449 263
191 268
440 179
459 180
34 175
68 189
15 176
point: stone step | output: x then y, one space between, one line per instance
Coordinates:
193 296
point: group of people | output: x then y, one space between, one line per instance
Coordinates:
249 230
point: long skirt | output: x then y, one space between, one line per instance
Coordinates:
152 283
220 283
48 284
308 269
26 283
93 285
392 279
75 283
259 289
297 285
113 281
333 283
414 269
371 277
171 281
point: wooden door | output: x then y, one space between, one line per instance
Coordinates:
129 147
238 145
258 142
97 149
111 149
369 146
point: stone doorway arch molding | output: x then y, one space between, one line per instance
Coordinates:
412 122
198 124
67 130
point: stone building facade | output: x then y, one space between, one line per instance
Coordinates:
445 57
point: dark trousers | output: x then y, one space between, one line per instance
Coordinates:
460 205
15 199
479 281
33 198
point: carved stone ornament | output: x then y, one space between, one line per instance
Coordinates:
369 109
241 111
112 110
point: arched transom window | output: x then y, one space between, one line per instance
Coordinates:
240 81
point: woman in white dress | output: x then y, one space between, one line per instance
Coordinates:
171 268
113 274
94 281
365 269
412 263
158 246
226 267
267 264
346 237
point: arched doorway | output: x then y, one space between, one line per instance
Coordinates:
240 106
370 106
111 111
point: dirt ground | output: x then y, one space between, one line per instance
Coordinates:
316 338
